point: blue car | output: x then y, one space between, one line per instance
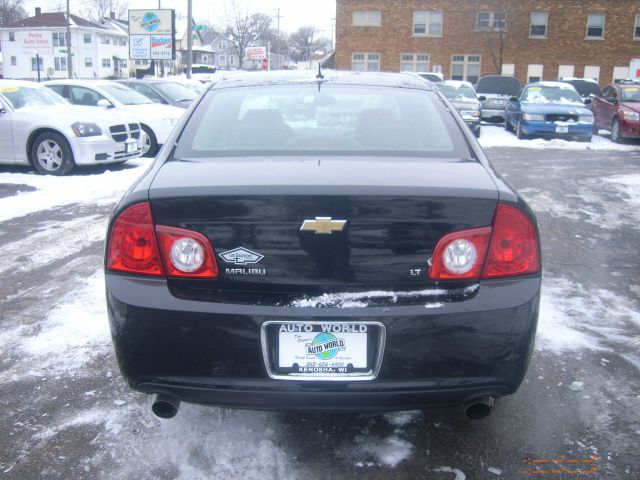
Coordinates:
549 109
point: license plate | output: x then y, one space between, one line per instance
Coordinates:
323 350
131 147
560 129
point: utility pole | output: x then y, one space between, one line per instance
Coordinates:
161 61
68 42
278 17
189 37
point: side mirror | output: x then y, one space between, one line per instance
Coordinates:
611 99
587 101
2 111
482 98
514 99
104 103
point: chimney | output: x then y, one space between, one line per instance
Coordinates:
38 11
112 15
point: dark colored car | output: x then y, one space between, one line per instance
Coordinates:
163 91
496 90
463 97
549 109
360 254
618 110
586 87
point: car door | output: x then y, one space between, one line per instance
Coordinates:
6 133
607 107
84 96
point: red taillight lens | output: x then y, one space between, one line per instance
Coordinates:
132 245
514 245
460 255
186 253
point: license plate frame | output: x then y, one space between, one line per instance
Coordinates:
562 129
316 369
130 146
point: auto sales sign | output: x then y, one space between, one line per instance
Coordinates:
152 34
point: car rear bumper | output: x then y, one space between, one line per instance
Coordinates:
530 127
493 113
211 353
101 149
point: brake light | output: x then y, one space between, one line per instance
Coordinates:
508 248
186 253
132 246
514 246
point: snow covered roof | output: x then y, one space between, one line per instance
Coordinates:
53 20
562 85
569 79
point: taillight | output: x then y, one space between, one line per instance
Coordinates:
175 252
132 246
508 248
186 253
460 255
514 245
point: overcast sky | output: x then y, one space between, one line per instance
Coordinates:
295 13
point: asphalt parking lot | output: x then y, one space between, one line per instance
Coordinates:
69 415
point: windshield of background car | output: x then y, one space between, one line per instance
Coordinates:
547 94
498 86
630 94
196 87
329 120
431 77
176 92
126 95
586 88
457 92
21 96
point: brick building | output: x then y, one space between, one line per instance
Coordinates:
541 39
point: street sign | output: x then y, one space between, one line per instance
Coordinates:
199 28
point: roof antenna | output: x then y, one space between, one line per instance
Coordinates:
319 76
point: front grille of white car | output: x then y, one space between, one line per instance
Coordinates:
123 132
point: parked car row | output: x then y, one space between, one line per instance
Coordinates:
60 124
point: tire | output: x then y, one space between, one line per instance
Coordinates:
585 138
615 132
507 125
51 154
519 133
595 129
477 133
151 144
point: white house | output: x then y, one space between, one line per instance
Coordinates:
97 51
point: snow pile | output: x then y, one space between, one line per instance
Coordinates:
103 188
402 419
493 136
388 452
627 184
458 473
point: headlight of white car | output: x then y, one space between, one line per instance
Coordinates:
634 116
585 119
470 113
533 117
83 129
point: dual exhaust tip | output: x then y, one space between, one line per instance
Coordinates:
166 406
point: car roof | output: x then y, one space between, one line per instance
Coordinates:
458 83
145 80
292 77
564 85
80 82
18 83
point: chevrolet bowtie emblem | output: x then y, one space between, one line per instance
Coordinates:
323 225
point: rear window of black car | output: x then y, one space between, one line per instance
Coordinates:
585 87
328 120
498 85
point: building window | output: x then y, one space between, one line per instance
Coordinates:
465 67
636 29
491 21
222 60
88 62
12 37
620 73
414 62
60 64
565 71
87 38
34 65
592 71
509 69
539 21
59 40
14 61
231 60
365 62
427 23
595 25
534 73
105 40
366 19
106 62
222 45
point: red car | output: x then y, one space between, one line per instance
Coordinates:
618 110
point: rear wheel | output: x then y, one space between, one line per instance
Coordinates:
595 129
150 146
51 154
519 133
615 131
507 125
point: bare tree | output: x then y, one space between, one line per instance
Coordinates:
96 9
306 40
243 28
11 11
496 24
56 6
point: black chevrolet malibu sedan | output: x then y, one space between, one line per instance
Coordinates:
330 241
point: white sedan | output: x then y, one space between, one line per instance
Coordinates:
156 120
40 128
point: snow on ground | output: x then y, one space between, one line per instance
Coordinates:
497 136
104 188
